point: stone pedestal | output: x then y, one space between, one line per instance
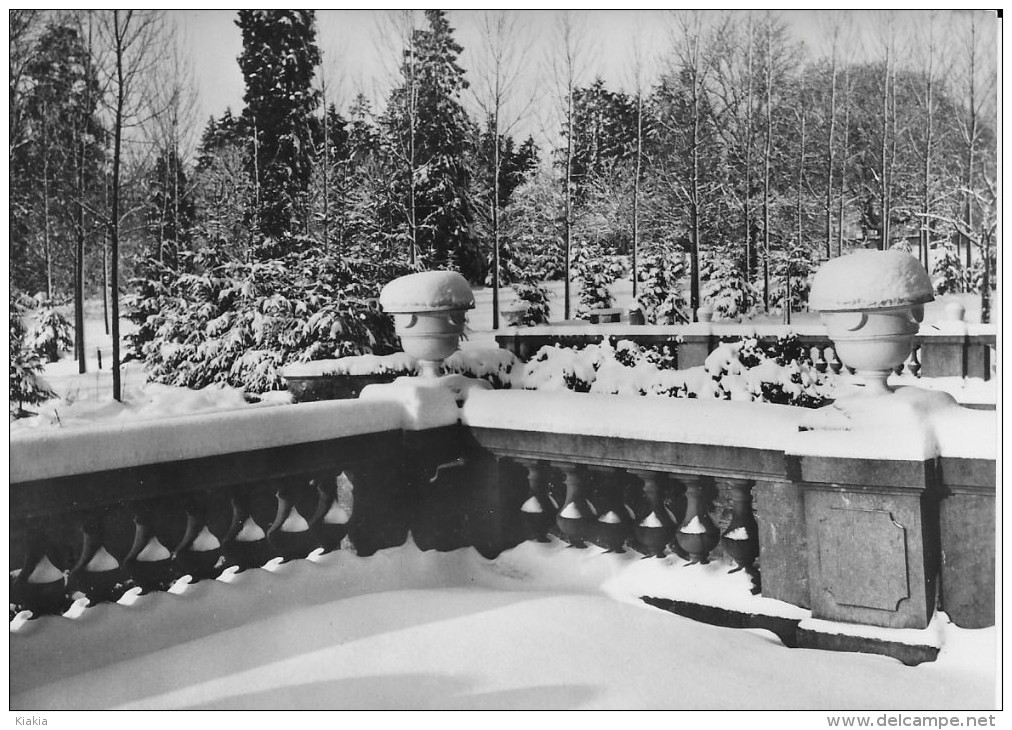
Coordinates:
873 548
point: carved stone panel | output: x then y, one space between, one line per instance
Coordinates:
863 554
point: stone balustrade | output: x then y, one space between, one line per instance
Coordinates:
858 540
938 351
114 509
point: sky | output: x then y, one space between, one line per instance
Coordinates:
357 54
355 57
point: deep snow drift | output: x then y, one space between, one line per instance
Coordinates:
540 627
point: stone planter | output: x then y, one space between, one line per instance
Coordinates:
872 303
430 310
309 388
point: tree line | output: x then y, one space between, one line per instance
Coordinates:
732 166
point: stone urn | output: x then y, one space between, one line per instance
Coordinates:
429 309
872 303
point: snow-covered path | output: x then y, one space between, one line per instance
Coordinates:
541 627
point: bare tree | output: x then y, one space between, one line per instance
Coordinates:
926 52
887 130
692 44
401 25
834 31
505 44
975 84
134 39
638 74
171 131
568 64
734 108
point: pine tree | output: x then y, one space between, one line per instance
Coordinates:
170 208
278 61
427 134
25 366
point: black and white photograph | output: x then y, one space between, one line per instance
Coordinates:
506 359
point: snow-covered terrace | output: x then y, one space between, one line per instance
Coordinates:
118 516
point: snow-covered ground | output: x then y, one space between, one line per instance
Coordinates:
540 627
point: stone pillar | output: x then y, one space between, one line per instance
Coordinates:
783 545
967 517
872 540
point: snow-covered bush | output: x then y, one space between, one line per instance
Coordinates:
534 294
725 286
491 364
148 294
661 297
801 275
597 271
747 370
26 387
974 278
779 372
947 271
50 332
241 322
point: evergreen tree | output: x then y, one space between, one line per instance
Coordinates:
661 278
604 134
25 366
947 273
427 134
278 61
62 149
515 166
169 211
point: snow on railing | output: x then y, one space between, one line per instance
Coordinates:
940 349
99 512
769 485
132 508
53 452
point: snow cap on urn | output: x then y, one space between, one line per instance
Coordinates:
871 303
427 291
870 279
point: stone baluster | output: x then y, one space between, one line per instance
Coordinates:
148 562
914 363
614 523
289 536
97 574
835 364
199 553
577 517
741 538
819 359
244 543
40 586
538 513
330 520
697 535
656 529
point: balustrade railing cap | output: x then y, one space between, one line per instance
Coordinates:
427 291
870 279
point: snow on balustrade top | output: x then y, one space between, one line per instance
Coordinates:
719 423
870 279
398 362
910 424
478 361
427 291
42 454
